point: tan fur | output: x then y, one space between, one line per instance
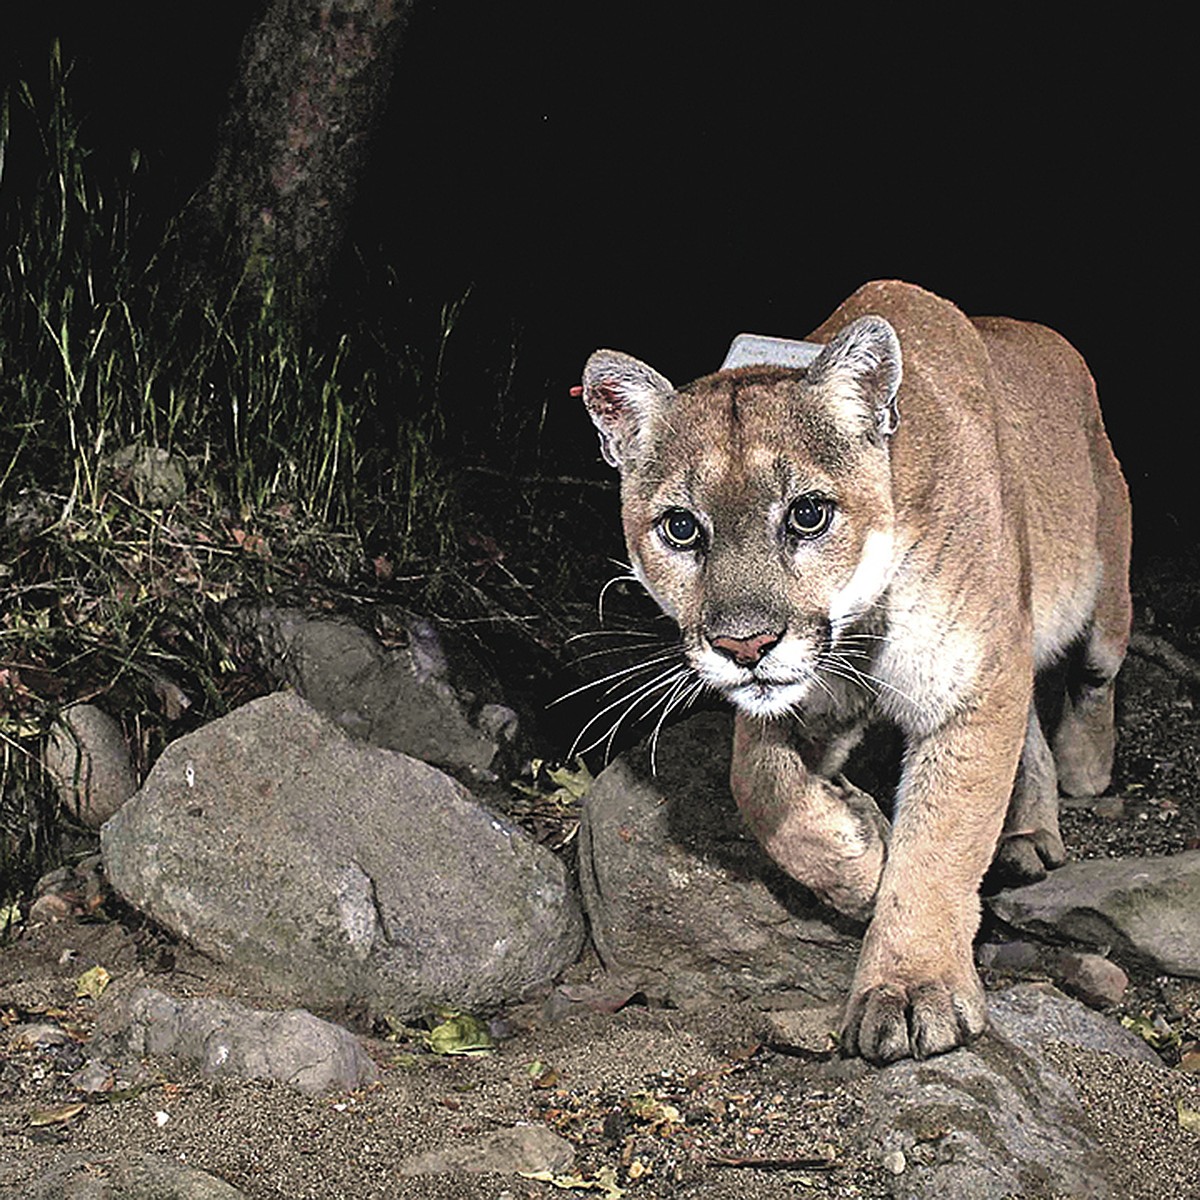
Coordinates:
979 539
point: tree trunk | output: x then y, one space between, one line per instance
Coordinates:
312 83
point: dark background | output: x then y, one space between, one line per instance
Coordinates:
656 180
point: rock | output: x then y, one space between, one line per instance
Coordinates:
30 513
996 1120
1142 911
154 476
506 1151
339 873
811 1031
681 898
76 890
225 1038
1009 956
34 1034
95 1076
410 697
1089 977
128 1175
88 760
1034 1015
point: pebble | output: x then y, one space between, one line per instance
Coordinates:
1092 978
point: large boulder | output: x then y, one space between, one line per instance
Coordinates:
997 1120
1145 911
681 899
413 695
339 873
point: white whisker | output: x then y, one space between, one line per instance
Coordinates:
663 681
646 665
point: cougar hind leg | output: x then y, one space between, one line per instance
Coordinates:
1085 740
1030 843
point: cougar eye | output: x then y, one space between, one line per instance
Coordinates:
809 516
680 529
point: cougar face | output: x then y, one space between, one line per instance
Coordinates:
758 511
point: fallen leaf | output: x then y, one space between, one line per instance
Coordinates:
605 1180
92 983
56 1116
1189 1118
1150 1033
575 780
460 1033
660 1117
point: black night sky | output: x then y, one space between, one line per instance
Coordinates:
654 179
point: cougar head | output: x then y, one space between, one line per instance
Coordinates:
757 507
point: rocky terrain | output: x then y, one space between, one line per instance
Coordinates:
321 955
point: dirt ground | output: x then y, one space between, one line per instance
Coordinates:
662 1103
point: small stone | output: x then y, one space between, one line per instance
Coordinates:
88 759
1008 956
1108 808
1091 978
94 1076
28 1037
804 1030
527 1148
894 1162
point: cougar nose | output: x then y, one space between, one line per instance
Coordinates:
746 652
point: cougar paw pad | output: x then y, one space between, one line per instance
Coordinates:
888 1022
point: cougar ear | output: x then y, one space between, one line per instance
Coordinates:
619 392
861 370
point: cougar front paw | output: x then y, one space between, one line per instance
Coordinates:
886 1021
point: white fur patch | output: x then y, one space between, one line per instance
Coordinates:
1059 620
867 584
927 665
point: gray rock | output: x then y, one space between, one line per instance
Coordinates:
681 898
1036 1015
154 476
1141 911
996 1121
88 760
128 1175
810 1031
506 1151
224 1038
411 696
1009 956
1091 978
339 873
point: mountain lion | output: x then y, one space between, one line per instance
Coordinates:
912 526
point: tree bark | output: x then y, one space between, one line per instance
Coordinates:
313 81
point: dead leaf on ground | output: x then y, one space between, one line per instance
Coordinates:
92 983
605 1180
56 1116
